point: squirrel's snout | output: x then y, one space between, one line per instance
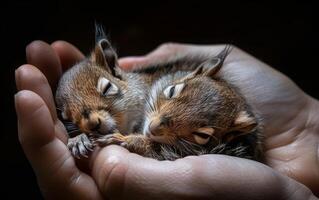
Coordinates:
156 124
95 125
98 122
153 127
158 129
92 123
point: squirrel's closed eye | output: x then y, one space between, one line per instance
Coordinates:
201 138
173 91
105 87
202 135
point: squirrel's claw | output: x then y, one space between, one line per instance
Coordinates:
80 146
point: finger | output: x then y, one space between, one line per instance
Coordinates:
122 175
30 78
129 63
162 53
170 52
41 55
68 54
53 164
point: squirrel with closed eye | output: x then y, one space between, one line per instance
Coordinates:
95 97
194 113
177 108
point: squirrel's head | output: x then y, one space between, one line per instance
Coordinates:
87 93
199 108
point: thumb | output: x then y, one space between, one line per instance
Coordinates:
123 175
120 174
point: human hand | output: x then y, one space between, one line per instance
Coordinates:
291 117
113 168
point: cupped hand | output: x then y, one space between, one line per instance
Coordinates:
290 117
116 173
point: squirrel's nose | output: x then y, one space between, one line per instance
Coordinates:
95 125
153 127
156 124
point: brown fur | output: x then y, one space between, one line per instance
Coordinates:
204 103
207 105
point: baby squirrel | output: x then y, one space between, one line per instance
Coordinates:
177 108
95 97
193 113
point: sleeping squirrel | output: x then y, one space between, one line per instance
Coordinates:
177 108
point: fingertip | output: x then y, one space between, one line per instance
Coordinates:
68 53
161 54
61 45
31 78
129 63
42 55
34 46
27 73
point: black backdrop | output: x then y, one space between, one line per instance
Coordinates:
280 35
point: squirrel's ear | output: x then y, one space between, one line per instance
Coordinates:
212 66
197 71
243 124
104 55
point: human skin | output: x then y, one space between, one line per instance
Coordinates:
291 138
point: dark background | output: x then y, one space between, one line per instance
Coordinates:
281 35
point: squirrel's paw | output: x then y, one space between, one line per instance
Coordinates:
115 138
80 145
